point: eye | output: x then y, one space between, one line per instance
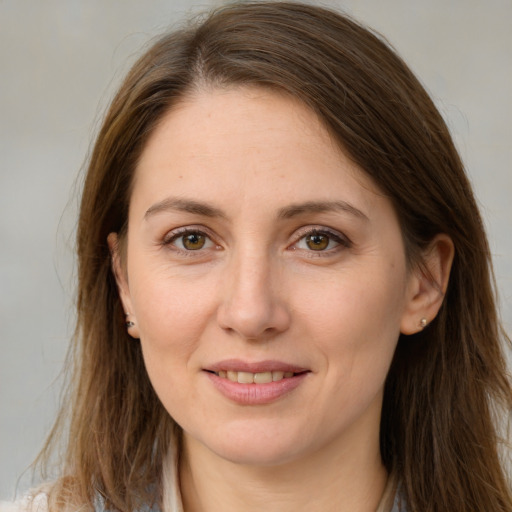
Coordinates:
318 240
189 240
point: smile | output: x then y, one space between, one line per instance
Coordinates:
256 383
254 378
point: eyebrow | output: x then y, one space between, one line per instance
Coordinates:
184 205
288 212
320 207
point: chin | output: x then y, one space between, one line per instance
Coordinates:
257 454
250 446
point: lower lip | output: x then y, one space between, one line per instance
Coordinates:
255 394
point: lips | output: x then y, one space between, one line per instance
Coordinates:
255 383
262 372
237 365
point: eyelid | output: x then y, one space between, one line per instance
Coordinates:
176 233
299 234
336 235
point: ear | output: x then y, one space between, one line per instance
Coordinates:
122 285
427 285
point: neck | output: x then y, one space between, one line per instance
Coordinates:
338 478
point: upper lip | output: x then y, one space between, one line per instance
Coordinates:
237 365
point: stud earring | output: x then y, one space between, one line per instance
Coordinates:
128 323
423 323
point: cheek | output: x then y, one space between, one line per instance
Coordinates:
172 317
355 323
172 310
369 301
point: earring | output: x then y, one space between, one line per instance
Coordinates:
423 323
128 323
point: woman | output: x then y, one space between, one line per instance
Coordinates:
285 291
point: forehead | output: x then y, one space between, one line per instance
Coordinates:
220 143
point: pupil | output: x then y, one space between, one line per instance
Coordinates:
193 241
317 242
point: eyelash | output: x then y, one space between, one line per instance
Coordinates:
338 238
182 233
342 241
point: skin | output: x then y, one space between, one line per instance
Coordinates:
256 290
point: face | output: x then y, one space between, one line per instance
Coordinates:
266 278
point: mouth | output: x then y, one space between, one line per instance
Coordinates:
244 377
255 383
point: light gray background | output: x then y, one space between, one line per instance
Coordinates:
60 61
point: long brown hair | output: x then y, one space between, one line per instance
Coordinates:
446 384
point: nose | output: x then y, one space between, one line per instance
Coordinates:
251 306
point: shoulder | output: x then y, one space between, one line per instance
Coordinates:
37 503
399 502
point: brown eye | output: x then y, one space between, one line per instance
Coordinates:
321 241
190 240
317 241
193 241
